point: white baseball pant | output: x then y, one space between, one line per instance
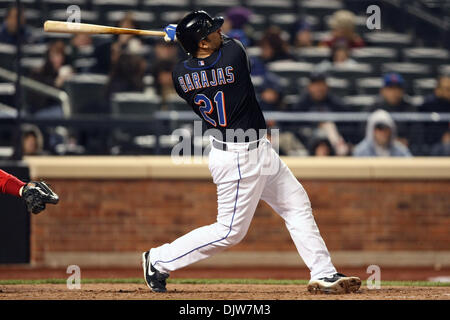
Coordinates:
243 178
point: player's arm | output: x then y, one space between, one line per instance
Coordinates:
35 194
10 184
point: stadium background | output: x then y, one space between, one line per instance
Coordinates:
83 130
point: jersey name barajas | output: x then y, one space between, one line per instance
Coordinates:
219 88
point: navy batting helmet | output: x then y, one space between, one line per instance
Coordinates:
195 27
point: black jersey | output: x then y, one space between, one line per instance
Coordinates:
219 88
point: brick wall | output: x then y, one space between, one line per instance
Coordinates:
135 215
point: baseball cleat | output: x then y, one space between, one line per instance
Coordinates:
154 279
337 283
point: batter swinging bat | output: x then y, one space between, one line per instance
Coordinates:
70 27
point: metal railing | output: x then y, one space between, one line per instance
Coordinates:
44 89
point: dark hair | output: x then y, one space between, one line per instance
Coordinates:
272 36
129 72
47 69
161 66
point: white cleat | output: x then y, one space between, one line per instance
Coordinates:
337 283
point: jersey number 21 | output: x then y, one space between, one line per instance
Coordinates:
206 108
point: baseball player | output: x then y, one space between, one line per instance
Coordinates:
215 81
35 194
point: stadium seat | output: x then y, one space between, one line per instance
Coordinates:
353 71
291 70
50 37
105 6
175 103
444 69
340 87
253 52
158 7
7 55
388 39
267 7
30 64
215 7
368 86
283 20
424 86
84 65
34 50
134 104
49 5
375 56
429 56
359 102
319 36
319 8
312 54
172 17
86 93
258 22
145 20
7 93
87 16
33 17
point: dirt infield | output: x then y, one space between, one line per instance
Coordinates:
212 292
26 272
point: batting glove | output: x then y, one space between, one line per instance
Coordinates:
170 33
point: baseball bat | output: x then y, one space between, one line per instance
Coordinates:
72 27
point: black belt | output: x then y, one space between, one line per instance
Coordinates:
224 147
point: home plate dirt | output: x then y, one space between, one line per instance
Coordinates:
212 292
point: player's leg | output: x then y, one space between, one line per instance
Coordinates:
289 199
237 201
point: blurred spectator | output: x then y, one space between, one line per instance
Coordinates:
285 142
165 51
330 130
9 29
392 96
317 96
55 71
79 43
320 145
271 95
108 53
439 101
380 139
163 80
442 149
126 75
342 25
340 56
302 36
32 140
234 25
273 46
